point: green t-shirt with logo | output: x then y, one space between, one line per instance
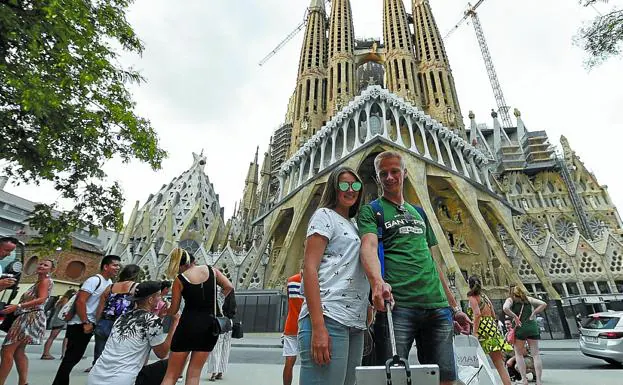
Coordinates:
409 265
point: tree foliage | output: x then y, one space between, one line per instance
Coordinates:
65 108
603 37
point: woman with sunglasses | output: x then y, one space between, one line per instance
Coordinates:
333 317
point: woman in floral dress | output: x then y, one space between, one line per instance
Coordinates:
29 325
486 327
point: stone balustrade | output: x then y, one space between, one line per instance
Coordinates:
377 112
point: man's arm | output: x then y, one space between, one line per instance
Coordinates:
371 265
81 310
162 350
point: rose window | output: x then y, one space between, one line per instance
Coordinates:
532 232
564 228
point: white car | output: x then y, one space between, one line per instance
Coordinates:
601 336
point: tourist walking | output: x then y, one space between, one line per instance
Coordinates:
486 328
56 325
291 329
333 317
523 310
407 274
28 328
134 334
114 302
197 332
80 326
219 358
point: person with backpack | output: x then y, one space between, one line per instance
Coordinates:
82 317
397 243
57 324
114 302
332 320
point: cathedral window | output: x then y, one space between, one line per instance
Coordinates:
189 245
432 82
572 288
603 287
590 288
559 289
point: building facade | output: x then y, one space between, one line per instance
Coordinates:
503 202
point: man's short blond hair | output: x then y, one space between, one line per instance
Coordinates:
387 155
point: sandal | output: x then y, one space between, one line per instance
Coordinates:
48 357
219 376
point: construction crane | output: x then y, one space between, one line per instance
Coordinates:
503 108
288 38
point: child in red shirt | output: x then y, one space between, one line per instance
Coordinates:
290 332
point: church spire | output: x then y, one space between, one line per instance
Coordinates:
400 60
311 86
434 73
341 56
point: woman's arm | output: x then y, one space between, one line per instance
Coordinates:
538 306
102 302
176 297
473 303
223 282
507 309
314 250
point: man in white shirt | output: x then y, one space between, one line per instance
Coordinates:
80 327
132 338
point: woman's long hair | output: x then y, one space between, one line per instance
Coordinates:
475 286
129 273
518 292
329 195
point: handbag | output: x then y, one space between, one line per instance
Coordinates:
236 331
222 325
7 322
510 337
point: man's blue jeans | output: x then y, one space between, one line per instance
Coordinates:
346 353
431 329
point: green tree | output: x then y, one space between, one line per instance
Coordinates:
603 37
65 108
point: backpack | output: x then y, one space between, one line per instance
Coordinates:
68 310
380 224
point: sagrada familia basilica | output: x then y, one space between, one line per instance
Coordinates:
502 201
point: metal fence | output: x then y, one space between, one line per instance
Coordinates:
261 311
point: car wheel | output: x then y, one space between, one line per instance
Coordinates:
613 362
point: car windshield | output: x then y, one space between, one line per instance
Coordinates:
600 322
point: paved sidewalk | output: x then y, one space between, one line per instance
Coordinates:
273 340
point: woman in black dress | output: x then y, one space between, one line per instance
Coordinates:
195 332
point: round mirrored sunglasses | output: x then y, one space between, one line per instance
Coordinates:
344 186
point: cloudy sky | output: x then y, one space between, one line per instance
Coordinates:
205 90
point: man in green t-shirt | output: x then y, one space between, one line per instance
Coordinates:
424 305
